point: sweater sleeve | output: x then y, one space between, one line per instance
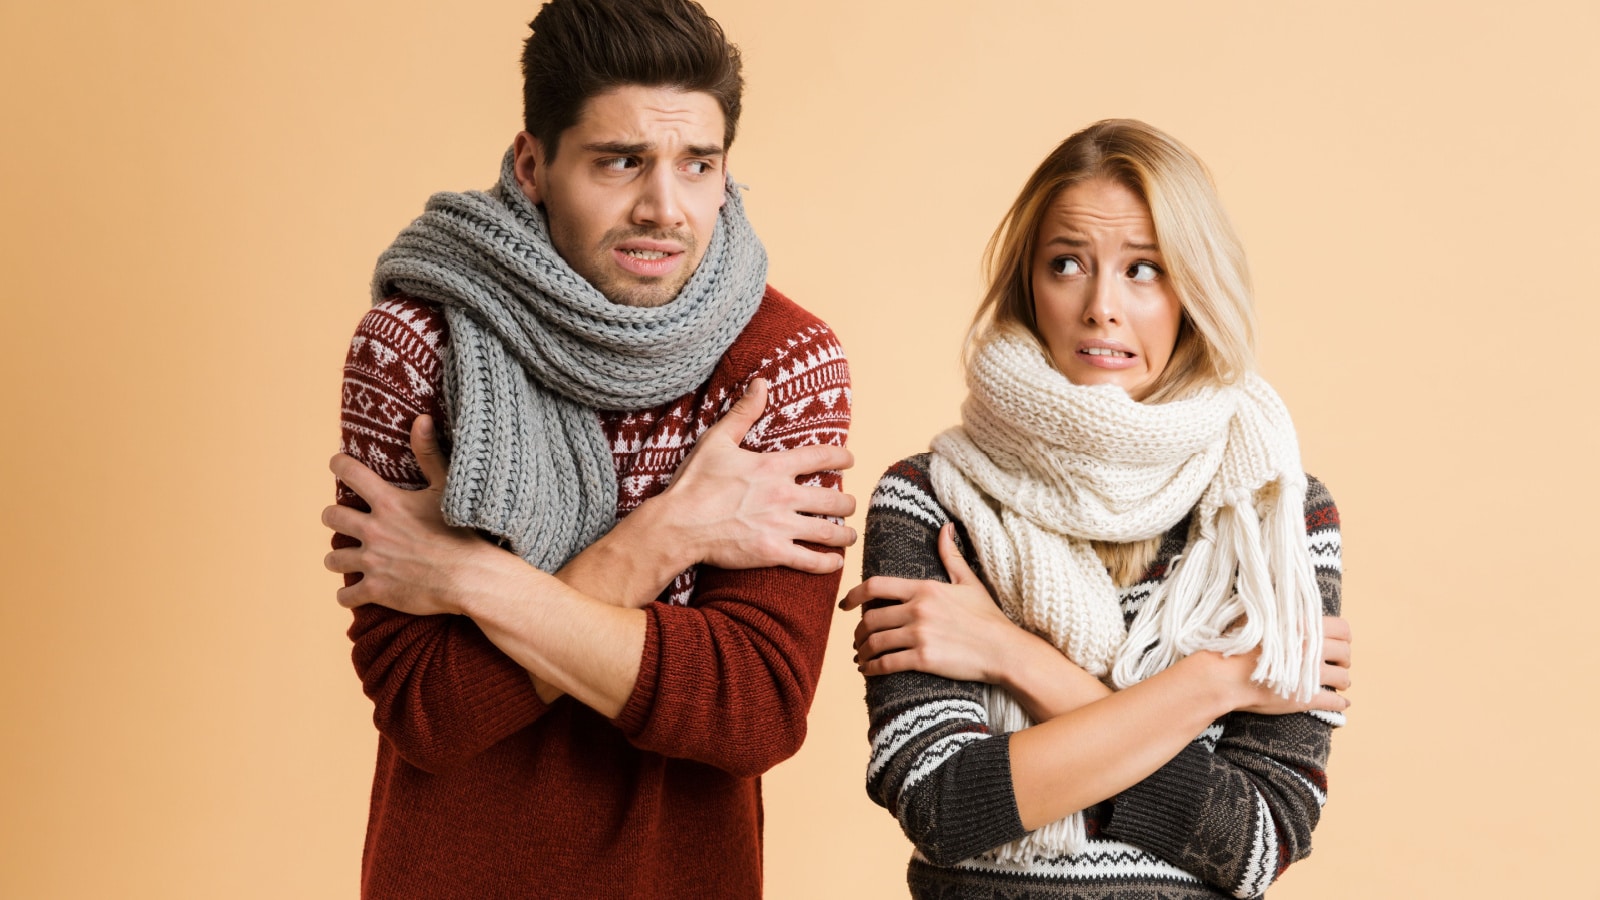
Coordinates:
728 679
935 765
1238 806
441 692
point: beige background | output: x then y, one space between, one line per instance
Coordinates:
194 193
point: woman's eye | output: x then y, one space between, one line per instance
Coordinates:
1066 265
1144 271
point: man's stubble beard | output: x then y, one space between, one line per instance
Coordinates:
619 287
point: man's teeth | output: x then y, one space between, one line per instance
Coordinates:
647 254
1106 351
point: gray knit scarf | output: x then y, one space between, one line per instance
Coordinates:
535 350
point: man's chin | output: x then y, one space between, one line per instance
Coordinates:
642 293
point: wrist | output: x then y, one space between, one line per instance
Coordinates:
656 534
1221 680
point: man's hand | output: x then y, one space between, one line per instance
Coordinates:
738 509
409 559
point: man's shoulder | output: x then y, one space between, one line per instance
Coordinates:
404 324
780 335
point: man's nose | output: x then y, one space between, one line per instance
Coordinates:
658 203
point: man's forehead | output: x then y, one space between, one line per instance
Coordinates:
641 114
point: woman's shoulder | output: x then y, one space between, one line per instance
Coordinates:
1321 512
903 522
907 487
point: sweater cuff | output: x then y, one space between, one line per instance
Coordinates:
636 712
504 694
986 802
1162 812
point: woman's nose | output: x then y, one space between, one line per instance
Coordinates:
1105 300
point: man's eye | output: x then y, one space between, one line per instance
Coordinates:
1144 271
618 163
698 167
1066 265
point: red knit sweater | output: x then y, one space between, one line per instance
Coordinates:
481 789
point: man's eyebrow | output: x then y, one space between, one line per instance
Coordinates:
617 148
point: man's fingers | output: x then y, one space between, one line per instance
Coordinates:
813 562
425 444
344 520
367 484
343 561
950 555
744 413
824 532
821 501
352 596
813 458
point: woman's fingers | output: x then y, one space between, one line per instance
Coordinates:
879 587
883 618
950 555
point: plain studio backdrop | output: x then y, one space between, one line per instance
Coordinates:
194 194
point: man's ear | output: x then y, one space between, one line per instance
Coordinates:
528 163
726 174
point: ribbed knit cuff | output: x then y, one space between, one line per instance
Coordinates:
972 809
635 713
502 692
1161 813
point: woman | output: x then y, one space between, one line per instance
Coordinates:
1131 491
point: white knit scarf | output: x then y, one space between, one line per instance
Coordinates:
1041 467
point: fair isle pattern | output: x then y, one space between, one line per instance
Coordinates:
393 362
1223 818
395 373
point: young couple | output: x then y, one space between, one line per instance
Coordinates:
590 524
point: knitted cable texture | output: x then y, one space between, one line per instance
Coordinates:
1041 467
535 350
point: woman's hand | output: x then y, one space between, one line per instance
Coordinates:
1255 698
952 630
409 559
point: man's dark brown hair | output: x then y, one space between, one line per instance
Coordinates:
580 48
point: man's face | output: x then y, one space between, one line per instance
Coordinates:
633 195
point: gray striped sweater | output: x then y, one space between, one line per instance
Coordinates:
1223 818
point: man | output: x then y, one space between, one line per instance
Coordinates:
582 705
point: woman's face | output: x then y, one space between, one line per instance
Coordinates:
1101 298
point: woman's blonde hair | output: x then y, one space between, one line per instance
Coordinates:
1201 253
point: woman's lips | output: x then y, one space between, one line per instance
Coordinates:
1105 355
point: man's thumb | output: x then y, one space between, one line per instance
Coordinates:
425 444
746 411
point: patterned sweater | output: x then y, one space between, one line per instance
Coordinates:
1224 817
484 791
